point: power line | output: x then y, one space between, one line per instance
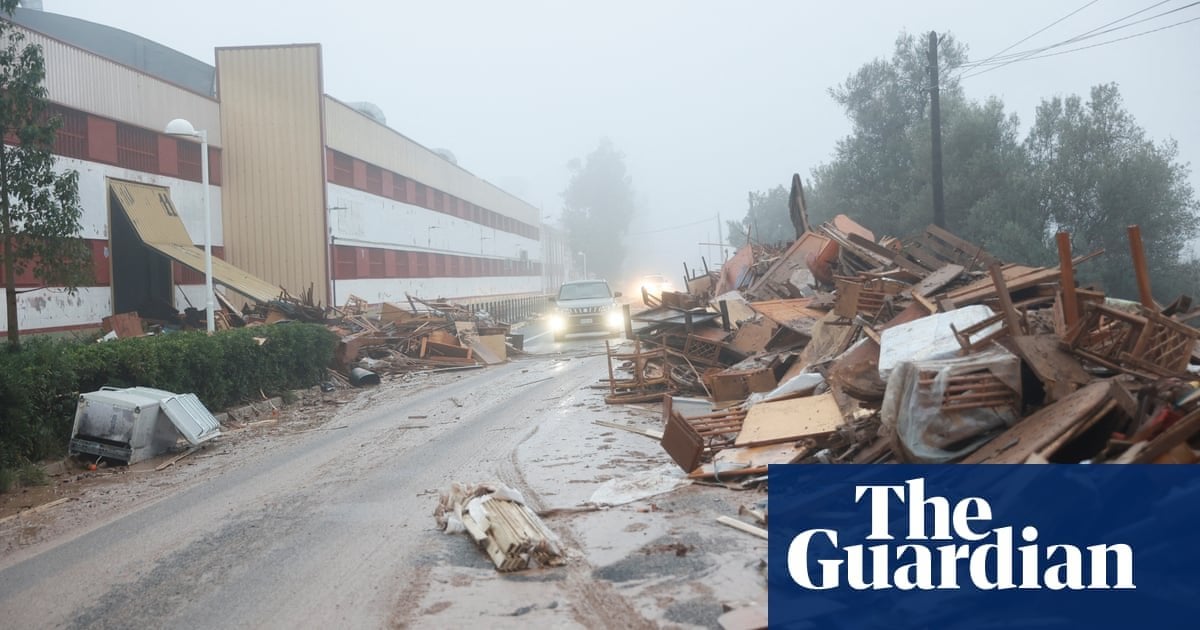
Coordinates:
1030 36
1090 46
675 227
1096 32
1063 52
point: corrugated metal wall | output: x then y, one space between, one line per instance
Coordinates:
274 174
355 134
121 93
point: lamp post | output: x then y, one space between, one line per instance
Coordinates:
584 256
181 128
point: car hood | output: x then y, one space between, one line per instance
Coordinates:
588 303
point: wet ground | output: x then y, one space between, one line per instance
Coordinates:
322 516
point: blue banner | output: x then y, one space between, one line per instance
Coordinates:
984 546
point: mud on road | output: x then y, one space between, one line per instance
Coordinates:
325 517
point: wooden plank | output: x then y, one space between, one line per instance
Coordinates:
1176 434
1140 271
34 510
126 325
175 460
1011 317
1070 304
976 293
1059 372
1034 433
743 526
793 418
935 281
970 249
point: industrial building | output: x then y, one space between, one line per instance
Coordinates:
307 192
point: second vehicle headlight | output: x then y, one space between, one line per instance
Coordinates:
557 322
615 319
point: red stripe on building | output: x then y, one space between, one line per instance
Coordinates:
354 173
355 263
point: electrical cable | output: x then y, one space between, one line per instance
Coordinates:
1063 52
1028 37
675 227
1096 32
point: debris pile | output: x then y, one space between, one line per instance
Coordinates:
496 517
378 339
847 348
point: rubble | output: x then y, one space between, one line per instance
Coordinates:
845 348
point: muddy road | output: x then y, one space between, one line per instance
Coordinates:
331 526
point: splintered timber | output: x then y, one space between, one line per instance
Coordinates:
972 557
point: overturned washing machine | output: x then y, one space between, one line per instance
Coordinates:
137 423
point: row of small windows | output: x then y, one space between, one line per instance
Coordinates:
355 262
406 190
132 147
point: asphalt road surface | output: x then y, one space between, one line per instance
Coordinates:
332 526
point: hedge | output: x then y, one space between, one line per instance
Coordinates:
40 385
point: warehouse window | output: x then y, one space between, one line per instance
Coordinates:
399 188
344 264
402 270
189 160
422 195
343 169
137 148
438 200
71 139
422 265
376 263
374 180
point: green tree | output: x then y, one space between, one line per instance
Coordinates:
766 221
880 174
876 173
598 205
1096 173
39 208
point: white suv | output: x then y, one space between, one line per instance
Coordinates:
586 306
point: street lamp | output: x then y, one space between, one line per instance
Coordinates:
181 128
584 264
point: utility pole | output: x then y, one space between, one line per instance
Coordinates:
935 125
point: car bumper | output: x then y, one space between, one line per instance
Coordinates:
590 323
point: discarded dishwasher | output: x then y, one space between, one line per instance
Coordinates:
137 423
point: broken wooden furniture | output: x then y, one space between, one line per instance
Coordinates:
649 374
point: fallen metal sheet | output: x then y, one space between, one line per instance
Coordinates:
191 417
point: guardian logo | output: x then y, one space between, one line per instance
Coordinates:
901 546
946 544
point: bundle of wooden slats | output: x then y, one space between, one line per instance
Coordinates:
500 523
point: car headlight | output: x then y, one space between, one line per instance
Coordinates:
557 322
615 319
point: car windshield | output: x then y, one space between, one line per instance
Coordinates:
583 291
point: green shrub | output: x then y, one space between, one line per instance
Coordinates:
40 385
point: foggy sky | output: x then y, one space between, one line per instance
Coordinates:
708 100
